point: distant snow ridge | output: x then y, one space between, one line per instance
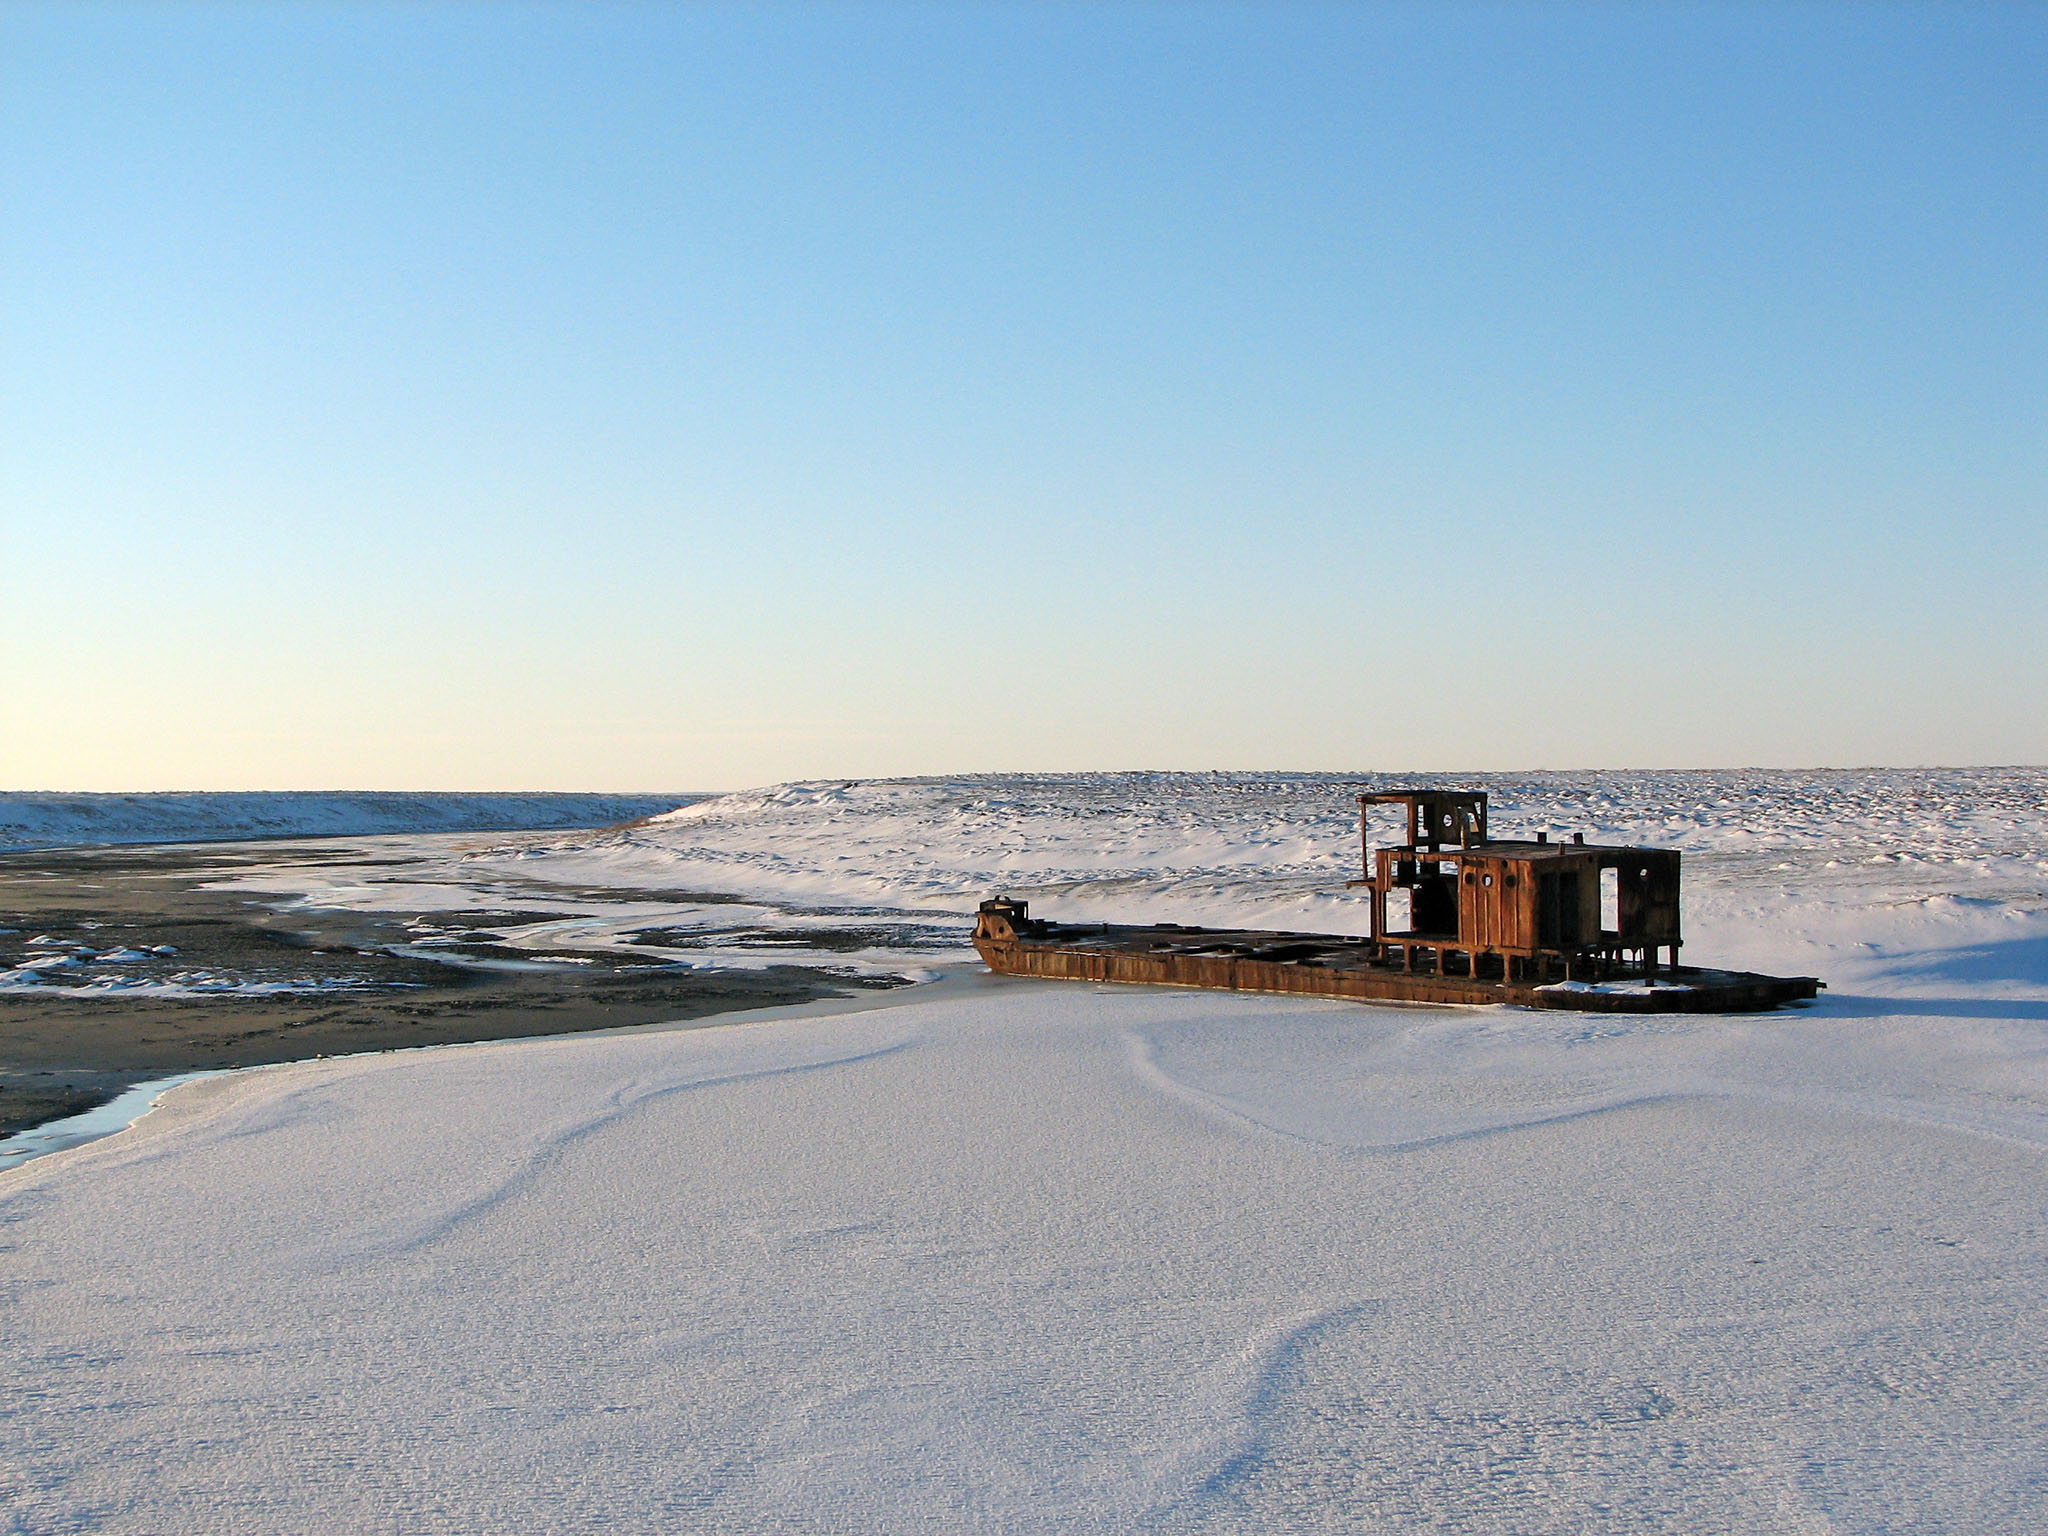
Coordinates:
945 842
1929 810
60 820
1246 847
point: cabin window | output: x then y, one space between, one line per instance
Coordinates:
1488 879
1511 882
1610 900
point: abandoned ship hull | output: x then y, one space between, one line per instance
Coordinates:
1323 965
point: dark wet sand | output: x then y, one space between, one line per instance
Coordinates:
61 1055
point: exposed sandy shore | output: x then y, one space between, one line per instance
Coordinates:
62 1054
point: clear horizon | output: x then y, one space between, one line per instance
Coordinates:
1447 776
548 398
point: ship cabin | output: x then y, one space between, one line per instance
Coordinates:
1453 901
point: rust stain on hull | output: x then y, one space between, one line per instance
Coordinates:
1337 967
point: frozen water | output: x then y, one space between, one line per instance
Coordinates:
58 820
1008 1256
118 1113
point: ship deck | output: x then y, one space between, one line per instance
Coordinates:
1332 965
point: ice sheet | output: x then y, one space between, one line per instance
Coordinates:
58 820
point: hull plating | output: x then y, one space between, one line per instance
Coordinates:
1321 965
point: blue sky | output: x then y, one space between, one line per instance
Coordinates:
686 397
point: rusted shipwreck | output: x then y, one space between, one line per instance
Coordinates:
1457 917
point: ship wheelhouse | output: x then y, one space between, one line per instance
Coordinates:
1453 901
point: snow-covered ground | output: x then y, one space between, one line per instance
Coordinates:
1044 1258
996 1255
60 820
1883 879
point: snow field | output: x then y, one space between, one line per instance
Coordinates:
1021 1257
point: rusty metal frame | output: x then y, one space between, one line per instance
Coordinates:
1495 949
